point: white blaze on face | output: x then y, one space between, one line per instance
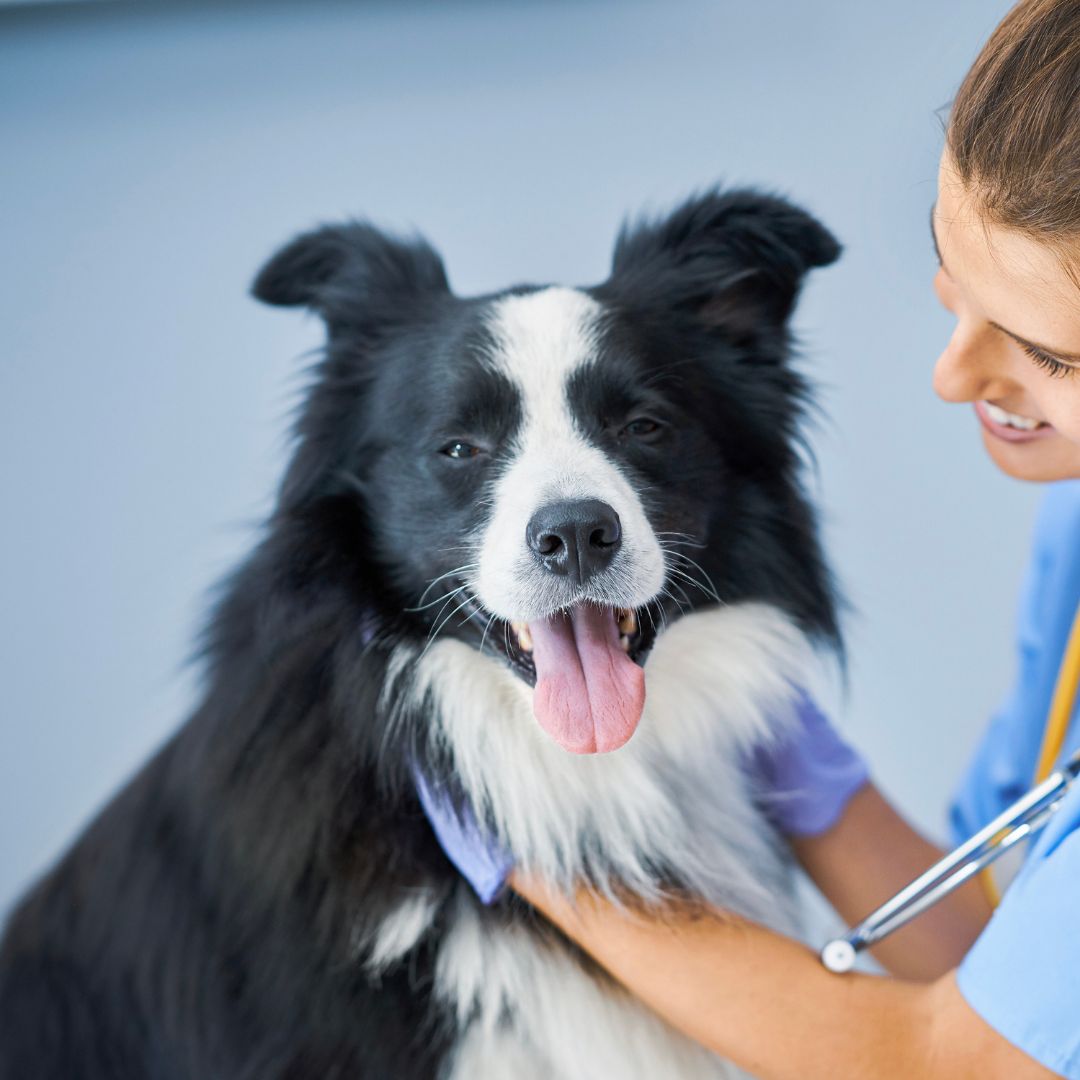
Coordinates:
542 339
589 694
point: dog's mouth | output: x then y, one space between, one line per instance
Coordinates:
589 686
631 640
584 663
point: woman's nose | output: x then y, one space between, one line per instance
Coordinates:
972 366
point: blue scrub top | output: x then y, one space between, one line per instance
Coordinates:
1023 974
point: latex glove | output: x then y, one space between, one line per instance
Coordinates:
480 859
806 780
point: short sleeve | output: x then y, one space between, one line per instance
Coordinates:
1022 975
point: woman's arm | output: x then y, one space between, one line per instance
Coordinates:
767 1004
869 855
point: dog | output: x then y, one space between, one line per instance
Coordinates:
550 548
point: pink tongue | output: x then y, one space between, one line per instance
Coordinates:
589 693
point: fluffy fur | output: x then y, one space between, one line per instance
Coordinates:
265 898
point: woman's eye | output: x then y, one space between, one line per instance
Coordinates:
641 428
1048 363
461 451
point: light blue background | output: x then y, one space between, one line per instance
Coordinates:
151 156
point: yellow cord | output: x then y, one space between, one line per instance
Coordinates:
989 886
1057 726
1061 706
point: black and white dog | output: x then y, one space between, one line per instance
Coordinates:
551 548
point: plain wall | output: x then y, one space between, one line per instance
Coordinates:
153 155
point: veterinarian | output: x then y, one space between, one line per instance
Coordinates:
973 990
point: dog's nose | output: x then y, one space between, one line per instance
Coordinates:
575 537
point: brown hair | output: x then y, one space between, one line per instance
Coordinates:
1014 128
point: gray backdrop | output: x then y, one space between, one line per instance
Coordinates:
153 155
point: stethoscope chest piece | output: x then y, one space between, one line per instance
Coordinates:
839 956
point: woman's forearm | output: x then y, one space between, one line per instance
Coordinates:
749 995
869 855
767 1004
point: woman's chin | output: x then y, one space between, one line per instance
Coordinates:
1043 461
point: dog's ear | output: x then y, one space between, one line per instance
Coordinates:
349 272
365 284
733 261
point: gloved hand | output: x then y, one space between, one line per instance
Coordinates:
480 859
806 779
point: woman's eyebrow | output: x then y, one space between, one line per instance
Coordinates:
1057 354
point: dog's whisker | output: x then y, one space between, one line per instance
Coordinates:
712 590
436 630
438 600
685 539
444 602
483 637
675 572
666 591
457 571
439 626
682 593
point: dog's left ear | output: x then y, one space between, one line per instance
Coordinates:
732 262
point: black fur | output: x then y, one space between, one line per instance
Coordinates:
208 923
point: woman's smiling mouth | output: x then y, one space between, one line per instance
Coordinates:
1012 427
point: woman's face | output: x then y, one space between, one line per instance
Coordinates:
1015 352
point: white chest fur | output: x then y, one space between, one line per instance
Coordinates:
529 1011
718 682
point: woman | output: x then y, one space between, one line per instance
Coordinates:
1006 227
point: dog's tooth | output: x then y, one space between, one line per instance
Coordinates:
524 637
624 643
627 621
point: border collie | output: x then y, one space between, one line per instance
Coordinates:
550 547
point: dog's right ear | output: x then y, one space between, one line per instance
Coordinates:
348 273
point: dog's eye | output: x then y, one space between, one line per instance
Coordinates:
461 451
644 427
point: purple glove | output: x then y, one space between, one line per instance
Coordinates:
807 778
480 859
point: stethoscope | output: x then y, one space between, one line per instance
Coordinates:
1020 821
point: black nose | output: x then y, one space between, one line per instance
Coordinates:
575 537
